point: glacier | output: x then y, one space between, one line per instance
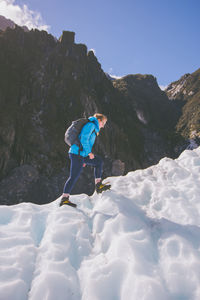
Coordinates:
140 240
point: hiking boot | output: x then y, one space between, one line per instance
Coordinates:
65 201
101 187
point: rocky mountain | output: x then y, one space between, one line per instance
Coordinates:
7 23
45 84
157 115
186 91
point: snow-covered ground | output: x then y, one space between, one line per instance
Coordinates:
141 240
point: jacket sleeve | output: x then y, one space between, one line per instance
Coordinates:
85 137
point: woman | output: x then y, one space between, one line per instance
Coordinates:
84 156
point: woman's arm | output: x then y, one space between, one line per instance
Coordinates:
85 137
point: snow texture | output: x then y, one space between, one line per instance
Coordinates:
140 240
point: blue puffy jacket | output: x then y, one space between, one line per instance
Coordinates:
87 137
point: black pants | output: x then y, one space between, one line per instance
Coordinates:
76 167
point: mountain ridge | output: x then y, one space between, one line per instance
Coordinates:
187 91
7 23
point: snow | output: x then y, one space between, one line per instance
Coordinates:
140 240
141 117
163 87
176 89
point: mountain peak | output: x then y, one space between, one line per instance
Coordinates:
7 23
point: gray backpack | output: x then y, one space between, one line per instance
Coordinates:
73 131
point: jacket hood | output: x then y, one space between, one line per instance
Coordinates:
96 123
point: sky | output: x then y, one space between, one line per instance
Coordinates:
158 37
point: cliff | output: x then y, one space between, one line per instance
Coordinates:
186 91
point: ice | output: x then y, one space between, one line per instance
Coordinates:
140 240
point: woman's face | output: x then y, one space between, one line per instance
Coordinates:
102 123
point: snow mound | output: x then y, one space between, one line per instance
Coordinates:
140 240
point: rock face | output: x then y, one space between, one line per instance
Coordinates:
44 85
6 23
186 91
156 116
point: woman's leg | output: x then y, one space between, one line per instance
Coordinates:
75 170
98 169
97 163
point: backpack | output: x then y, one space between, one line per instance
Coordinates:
73 131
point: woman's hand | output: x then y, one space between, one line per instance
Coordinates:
91 155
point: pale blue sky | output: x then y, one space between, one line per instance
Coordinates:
155 37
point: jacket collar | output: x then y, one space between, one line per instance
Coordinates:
96 123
